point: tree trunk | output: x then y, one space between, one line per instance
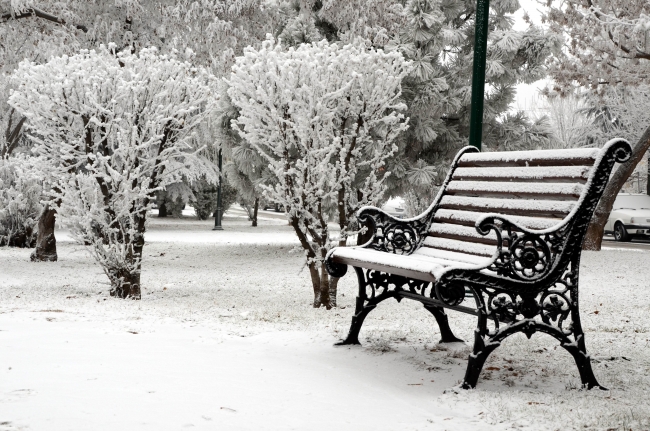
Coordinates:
125 283
647 186
321 284
315 282
162 210
596 229
128 285
255 208
334 282
45 242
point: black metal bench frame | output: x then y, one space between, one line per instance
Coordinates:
535 300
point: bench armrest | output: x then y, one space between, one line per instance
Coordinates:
390 234
530 254
387 234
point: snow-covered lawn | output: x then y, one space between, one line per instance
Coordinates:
224 338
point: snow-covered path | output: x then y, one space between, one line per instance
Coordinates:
170 377
225 339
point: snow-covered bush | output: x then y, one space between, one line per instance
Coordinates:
111 130
324 117
20 195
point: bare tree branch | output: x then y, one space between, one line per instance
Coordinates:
40 14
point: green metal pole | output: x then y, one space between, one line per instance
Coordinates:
218 212
478 74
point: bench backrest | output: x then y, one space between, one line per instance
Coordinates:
537 189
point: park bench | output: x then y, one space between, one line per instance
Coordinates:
505 227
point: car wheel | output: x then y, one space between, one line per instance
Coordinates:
620 234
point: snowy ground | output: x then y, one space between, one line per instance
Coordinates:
224 339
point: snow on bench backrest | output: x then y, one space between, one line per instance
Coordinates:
537 189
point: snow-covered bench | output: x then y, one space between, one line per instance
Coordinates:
507 227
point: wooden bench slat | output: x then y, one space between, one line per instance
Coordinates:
574 174
556 191
573 157
459 246
451 255
469 218
461 233
523 207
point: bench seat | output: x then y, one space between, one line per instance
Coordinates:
419 265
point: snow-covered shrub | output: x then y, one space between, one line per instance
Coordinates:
111 130
20 195
205 198
172 200
324 118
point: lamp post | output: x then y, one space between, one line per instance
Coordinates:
478 73
217 213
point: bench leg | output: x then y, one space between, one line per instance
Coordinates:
360 313
485 344
583 361
378 284
447 336
477 359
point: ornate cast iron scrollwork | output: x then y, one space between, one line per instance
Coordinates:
397 236
393 235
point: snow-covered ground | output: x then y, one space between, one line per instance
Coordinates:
224 338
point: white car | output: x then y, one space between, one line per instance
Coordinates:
630 217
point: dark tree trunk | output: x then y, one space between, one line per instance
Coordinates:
255 208
334 282
46 241
126 283
596 229
321 283
162 210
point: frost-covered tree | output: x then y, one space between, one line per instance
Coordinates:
607 51
438 37
112 130
209 32
214 31
246 170
324 117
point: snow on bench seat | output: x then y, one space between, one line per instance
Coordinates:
417 265
452 256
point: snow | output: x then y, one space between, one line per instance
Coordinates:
472 217
531 156
528 172
464 231
510 204
460 246
514 188
399 264
225 338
